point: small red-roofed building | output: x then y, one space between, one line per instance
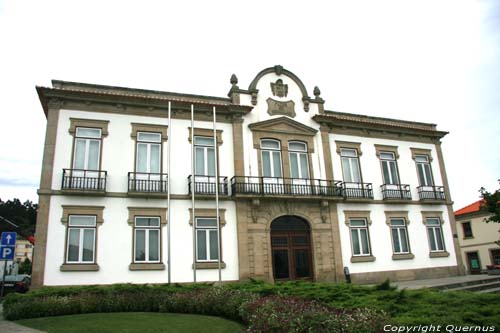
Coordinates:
477 238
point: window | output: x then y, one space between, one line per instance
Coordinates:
399 235
271 158
299 165
87 148
467 228
495 257
147 239
148 159
424 170
389 168
359 237
81 239
207 239
435 234
204 156
350 165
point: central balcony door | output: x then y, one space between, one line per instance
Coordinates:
272 175
291 248
299 168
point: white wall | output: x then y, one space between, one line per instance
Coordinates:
114 243
381 244
118 149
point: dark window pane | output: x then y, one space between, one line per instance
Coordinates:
302 263
300 240
279 241
280 260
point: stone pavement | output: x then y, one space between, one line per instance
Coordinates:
10 327
417 284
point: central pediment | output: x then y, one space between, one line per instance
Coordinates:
282 125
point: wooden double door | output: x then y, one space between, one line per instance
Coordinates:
291 249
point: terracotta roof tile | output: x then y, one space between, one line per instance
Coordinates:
472 208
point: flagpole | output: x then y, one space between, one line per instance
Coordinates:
193 179
169 138
217 198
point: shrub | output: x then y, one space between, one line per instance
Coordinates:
290 314
221 301
54 301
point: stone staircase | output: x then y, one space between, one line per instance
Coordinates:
488 284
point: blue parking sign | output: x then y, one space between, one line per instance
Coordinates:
7 252
8 239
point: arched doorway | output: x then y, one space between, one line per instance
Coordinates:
291 248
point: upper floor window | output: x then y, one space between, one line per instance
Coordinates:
204 156
424 170
467 229
389 168
350 165
299 165
148 159
271 158
87 148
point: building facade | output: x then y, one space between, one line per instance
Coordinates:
24 250
304 192
477 238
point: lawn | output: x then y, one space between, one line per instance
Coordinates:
132 322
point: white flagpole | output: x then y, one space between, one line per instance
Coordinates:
169 138
217 198
193 178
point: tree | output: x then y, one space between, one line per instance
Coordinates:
22 214
25 267
491 203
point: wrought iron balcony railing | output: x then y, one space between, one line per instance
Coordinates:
142 182
396 192
357 190
284 186
85 180
206 185
431 193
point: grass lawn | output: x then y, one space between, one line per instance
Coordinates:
133 322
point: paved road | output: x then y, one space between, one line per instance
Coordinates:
10 327
416 284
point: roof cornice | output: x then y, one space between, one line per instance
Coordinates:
83 92
334 119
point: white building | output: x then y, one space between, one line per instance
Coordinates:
304 191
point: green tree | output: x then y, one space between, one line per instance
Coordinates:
491 203
25 267
22 214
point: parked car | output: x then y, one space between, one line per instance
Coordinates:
16 283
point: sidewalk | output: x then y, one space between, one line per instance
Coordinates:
10 327
417 284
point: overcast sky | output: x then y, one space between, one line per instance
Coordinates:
430 61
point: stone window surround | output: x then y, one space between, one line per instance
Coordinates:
152 128
88 123
147 212
360 214
284 140
68 210
350 145
393 214
439 215
386 148
208 132
212 213
421 151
